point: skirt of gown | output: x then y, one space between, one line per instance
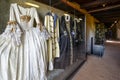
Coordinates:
9 54
26 61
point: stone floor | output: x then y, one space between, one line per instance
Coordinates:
102 68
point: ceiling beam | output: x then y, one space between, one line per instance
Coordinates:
104 13
108 19
108 16
104 20
77 7
98 2
73 5
58 2
104 9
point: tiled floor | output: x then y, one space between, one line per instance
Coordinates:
105 68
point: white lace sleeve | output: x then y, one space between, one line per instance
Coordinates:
8 28
45 33
7 32
13 30
17 35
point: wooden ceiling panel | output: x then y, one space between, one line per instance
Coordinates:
82 1
99 3
106 11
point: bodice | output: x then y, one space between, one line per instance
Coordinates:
25 16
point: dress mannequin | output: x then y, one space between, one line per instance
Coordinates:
23 47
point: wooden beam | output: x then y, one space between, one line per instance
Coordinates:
77 7
73 5
109 16
104 20
104 13
104 9
98 2
58 2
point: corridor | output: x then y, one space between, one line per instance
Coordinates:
102 68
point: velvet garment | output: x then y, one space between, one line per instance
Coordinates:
66 48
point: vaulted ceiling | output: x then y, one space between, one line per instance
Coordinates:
106 11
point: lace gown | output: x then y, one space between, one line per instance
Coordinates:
23 47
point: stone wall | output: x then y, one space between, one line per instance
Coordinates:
4 14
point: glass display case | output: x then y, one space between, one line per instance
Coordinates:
78 45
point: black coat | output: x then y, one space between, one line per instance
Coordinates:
65 42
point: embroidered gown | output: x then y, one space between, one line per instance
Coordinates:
23 47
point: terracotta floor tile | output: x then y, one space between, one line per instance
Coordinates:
105 68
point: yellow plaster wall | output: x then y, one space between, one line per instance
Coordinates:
90 31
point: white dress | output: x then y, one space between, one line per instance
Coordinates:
23 47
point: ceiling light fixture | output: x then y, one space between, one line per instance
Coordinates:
31 4
104 5
115 21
